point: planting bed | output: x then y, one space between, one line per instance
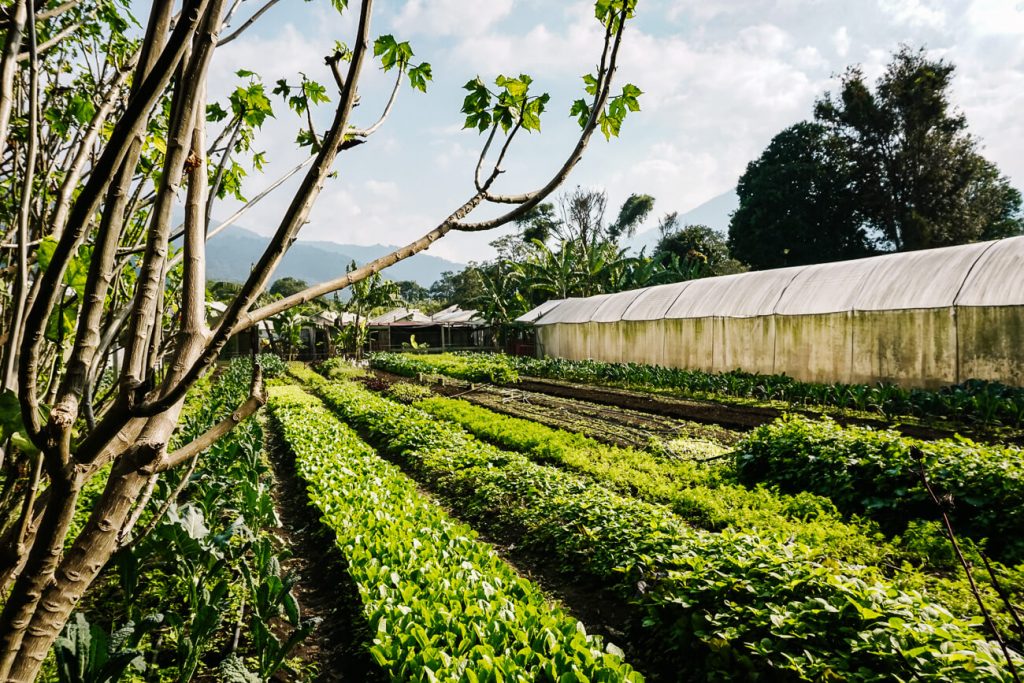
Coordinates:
719 601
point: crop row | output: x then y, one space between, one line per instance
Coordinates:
708 497
727 604
700 494
971 402
472 367
441 604
878 473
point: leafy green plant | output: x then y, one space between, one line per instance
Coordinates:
871 472
85 653
441 604
974 402
790 614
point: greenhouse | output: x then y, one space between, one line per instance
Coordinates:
924 318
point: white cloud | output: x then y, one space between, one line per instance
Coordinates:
450 17
841 41
914 12
997 17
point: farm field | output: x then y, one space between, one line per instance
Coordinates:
644 541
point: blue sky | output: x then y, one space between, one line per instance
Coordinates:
720 79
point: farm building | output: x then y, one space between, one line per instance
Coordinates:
924 318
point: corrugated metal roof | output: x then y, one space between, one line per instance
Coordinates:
980 274
410 315
996 279
454 314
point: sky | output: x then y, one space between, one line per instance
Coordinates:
720 79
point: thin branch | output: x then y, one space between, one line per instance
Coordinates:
9 66
367 132
56 40
918 455
290 224
249 22
218 177
20 293
257 397
87 203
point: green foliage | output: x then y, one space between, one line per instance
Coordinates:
85 653
286 286
798 203
441 605
509 106
213 549
702 247
872 472
477 367
974 402
889 168
700 494
339 368
408 393
789 615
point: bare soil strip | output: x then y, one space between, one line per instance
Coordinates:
324 590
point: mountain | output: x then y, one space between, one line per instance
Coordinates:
714 213
231 254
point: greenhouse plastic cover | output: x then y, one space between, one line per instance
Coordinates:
533 315
980 274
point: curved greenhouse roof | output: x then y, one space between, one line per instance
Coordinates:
980 274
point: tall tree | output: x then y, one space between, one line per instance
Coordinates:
633 212
100 135
919 178
798 203
703 248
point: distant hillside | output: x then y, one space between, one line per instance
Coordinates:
714 213
231 254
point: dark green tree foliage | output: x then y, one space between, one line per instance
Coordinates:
539 223
919 176
886 169
462 287
287 286
411 291
798 203
697 245
633 212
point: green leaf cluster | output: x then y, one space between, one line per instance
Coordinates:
974 402
872 472
511 105
441 604
480 367
727 604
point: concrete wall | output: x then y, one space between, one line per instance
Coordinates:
920 347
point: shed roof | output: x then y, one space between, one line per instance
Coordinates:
411 315
979 274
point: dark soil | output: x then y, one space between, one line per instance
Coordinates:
733 416
338 645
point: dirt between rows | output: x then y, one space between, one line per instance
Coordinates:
732 416
337 647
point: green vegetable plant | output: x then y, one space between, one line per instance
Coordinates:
722 605
441 604
973 403
872 472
